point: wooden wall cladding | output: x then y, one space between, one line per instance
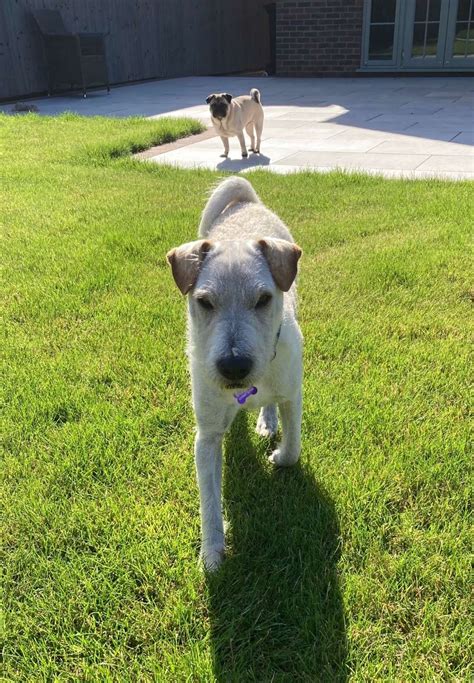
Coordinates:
146 38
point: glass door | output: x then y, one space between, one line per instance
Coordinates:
418 35
425 34
460 35
381 29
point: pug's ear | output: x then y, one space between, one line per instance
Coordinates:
282 258
209 98
227 96
185 262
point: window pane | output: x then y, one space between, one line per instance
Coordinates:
420 10
418 40
435 10
383 10
463 10
461 42
432 40
381 42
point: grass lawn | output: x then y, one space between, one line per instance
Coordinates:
354 565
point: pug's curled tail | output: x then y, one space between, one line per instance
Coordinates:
255 95
231 191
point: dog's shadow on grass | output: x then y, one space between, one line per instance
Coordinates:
275 606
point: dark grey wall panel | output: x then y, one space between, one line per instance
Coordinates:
147 38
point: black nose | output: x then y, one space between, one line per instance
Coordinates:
234 367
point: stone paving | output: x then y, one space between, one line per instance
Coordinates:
411 127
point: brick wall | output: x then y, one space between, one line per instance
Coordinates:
318 37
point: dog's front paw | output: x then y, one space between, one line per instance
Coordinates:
284 458
224 155
212 558
244 155
267 423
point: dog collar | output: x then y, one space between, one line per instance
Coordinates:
276 341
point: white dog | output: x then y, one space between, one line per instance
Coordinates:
230 115
244 344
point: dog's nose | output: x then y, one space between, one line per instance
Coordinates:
234 367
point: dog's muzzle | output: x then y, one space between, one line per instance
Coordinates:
219 112
234 368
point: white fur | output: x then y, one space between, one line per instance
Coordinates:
232 190
232 275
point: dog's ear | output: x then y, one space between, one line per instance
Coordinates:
185 262
282 258
209 98
227 96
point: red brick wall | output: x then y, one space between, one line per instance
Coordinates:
318 36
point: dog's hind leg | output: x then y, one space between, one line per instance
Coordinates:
289 449
267 423
242 144
258 130
249 128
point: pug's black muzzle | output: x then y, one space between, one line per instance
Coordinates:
219 111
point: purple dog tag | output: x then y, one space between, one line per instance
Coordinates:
241 398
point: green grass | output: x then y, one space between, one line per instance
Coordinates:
352 565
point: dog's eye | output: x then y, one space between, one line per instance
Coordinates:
205 303
263 301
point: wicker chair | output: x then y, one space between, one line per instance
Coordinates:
74 59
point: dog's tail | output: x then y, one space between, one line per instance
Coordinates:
255 95
230 191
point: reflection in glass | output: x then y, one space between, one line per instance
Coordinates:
383 11
381 42
434 10
463 10
463 40
420 10
431 47
418 40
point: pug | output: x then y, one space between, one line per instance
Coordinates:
230 115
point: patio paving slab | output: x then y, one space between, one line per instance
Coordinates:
417 146
465 138
461 164
353 161
412 127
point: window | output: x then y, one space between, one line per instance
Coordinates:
382 29
464 32
426 29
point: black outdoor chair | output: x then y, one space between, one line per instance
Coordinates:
74 59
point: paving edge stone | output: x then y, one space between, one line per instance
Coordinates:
170 146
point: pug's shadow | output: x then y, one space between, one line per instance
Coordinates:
275 606
238 164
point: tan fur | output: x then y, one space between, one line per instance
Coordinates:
282 258
185 262
244 112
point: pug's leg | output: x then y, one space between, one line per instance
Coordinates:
242 144
225 142
250 128
258 130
